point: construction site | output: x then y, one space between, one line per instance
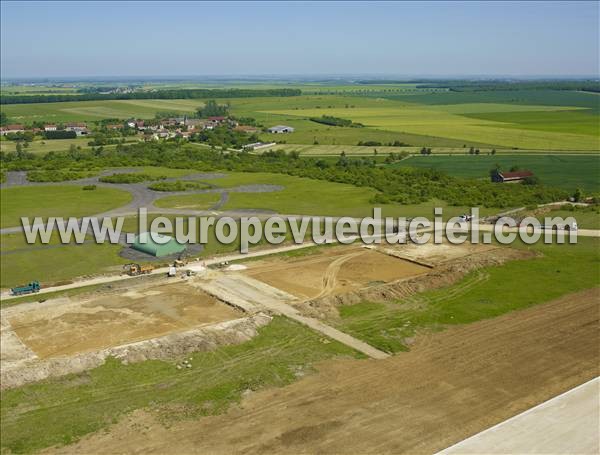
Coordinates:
166 315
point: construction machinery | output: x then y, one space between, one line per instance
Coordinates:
30 288
181 260
137 269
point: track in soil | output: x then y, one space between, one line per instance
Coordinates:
458 383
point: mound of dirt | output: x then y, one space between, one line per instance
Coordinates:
440 276
163 348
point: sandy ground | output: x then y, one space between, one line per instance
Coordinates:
332 271
451 385
64 327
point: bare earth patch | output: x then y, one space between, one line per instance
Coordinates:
451 385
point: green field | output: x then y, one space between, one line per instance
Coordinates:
521 119
54 263
302 196
200 201
564 171
58 201
40 146
456 122
483 294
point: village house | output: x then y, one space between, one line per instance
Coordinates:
12 129
50 127
80 129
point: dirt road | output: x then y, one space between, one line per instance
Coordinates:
452 384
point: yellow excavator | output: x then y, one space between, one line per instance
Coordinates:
137 269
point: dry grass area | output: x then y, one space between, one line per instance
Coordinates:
67 327
335 270
451 385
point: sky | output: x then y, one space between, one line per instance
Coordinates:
434 39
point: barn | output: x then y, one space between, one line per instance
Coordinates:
161 245
510 177
279 129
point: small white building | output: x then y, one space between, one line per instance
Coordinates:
280 129
50 128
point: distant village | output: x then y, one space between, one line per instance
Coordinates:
186 128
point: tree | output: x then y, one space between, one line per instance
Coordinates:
493 151
471 151
212 109
578 195
476 151
531 180
3 119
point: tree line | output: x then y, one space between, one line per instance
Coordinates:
393 185
158 94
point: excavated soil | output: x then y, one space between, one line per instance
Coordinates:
450 263
451 385
335 270
61 328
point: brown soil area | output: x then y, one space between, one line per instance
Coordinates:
110 320
332 271
451 385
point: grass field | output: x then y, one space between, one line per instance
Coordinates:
38 146
302 196
564 171
587 217
56 200
54 262
189 201
480 295
57 412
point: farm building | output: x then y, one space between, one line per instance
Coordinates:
279 129
510 177
163 246
12 129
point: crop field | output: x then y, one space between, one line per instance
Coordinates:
564 171
96 110
456 122
430 120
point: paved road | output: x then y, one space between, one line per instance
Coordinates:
142 196
568 423
163 270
